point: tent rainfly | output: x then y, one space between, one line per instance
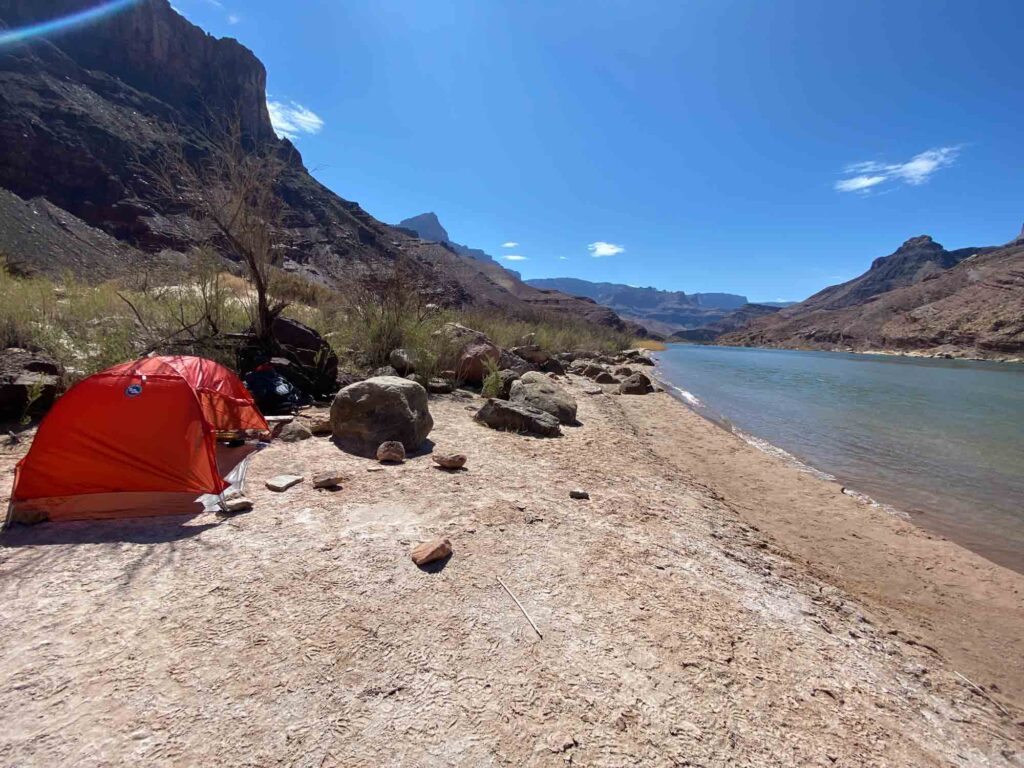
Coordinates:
136 440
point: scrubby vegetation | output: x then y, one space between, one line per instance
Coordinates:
89 327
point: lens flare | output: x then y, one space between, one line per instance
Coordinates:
53 26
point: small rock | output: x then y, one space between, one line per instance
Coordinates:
283 482
450 460
236 504
391 450
321 426
561 742
295 431
403 361
440 386
578 493
429 551
328 479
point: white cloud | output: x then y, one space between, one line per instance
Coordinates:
563 258
916 171
514 257
291 119
601 248
233 19
859 183
510 245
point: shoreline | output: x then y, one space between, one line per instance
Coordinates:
934 586
708 603
912 354
986 547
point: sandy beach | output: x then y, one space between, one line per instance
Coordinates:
708 605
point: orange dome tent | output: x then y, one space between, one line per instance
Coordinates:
136 440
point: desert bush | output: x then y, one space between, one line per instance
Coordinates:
87 328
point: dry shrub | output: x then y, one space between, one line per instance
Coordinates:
87 328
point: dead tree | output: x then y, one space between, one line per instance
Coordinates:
231 187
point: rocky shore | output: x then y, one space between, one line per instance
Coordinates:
644 589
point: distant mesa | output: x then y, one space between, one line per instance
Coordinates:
660 311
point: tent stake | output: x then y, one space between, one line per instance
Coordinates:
520 607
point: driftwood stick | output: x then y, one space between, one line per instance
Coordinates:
983 692
520 607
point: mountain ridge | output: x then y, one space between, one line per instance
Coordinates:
921 298
82 112
659 310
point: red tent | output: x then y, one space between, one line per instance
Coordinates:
136 440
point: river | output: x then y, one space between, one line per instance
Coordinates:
939 440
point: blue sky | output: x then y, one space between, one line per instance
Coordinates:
763 148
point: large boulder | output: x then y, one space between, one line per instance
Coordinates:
516 417
637 384
554 366
312 366
531 353
29 382
539 391
476 352
371 412
513 362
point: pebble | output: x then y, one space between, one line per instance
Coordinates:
578 494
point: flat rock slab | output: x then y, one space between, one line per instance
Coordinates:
283 482
429 551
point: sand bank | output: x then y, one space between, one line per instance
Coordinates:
708 605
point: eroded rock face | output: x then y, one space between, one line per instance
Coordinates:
539 391
371 412
516 417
